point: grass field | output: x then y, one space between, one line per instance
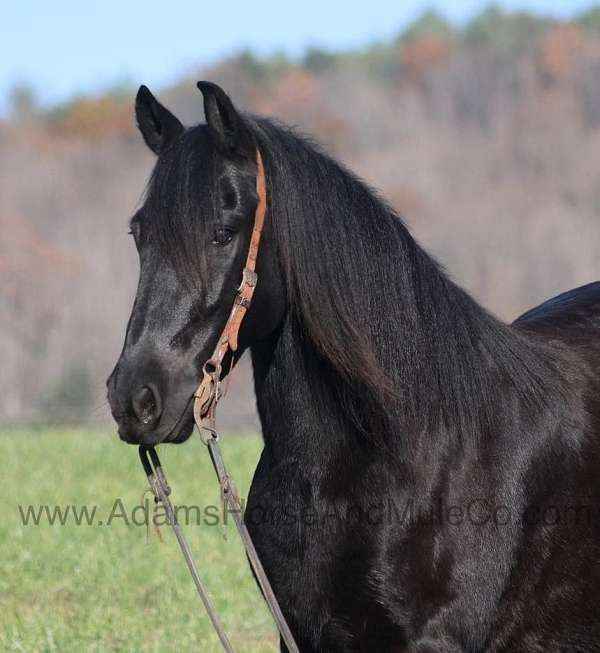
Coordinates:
102 587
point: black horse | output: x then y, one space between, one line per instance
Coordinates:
430 475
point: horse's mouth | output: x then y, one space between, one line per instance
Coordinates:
183 427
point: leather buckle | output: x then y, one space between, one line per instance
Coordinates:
242 301
249 278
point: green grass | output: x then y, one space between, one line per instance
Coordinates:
102 587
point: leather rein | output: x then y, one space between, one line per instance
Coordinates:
206 398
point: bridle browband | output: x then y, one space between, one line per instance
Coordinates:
206 398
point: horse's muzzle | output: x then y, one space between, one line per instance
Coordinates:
137 413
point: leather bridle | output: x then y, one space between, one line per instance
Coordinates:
206 398
207 393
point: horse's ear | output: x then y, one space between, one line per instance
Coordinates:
228 129
158 125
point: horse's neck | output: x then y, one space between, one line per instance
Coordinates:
456 373
385 313
307 415
297 407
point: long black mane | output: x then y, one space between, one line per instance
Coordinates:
377 307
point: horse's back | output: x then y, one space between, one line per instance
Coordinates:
575 310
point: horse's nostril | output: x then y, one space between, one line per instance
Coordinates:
146 404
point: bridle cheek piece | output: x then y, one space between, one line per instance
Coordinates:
206 398
207 393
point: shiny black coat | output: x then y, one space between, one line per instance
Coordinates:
430 477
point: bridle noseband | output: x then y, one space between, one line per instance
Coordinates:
206 398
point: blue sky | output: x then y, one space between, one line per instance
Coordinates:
65 47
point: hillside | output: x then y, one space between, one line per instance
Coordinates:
486 139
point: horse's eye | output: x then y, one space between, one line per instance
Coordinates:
222 236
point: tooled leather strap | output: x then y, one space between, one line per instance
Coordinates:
205 396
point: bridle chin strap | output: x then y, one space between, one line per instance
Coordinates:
206 398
